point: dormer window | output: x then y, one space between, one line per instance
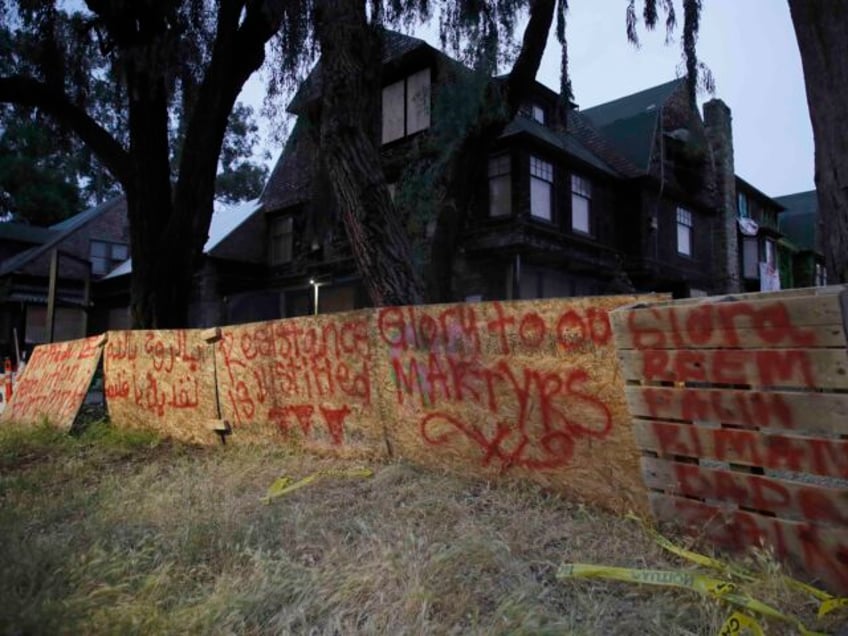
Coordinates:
538 113
406 106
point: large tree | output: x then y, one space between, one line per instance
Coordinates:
820 28
351 56
155 58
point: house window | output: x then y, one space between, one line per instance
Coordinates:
538 113
500 186
406 106
742 204
684 231
106 256
750 257
281 240
541 188
769 253
581 198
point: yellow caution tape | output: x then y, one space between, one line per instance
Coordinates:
739 623
829 602
722 590
284 485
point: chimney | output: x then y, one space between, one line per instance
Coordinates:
719 129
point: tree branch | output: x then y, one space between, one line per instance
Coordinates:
26 91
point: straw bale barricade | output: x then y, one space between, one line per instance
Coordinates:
729 415
740 409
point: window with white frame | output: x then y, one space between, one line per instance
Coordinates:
500 186
541 188
581 204
406 106
106 256
684 231
281 240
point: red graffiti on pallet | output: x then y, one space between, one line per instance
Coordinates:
287 372
499 376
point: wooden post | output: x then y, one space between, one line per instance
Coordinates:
86 299
51 293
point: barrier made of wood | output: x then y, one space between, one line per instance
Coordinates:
740 410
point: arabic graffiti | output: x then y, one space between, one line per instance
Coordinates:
159 374
55 383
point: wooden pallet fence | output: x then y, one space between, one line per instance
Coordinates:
306 382
161 380
524 390
740 410
55 382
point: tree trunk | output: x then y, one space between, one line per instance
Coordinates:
821 27
468 162
350 67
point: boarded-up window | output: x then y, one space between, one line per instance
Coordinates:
500 186
280 248
393 111
106 256
68 324
581 198
541 188
406 106
418 101
750 257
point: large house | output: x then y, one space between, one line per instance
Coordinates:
638 194
625 195
84 248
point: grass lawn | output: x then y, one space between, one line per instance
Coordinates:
121 533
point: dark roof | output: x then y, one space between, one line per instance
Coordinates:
582 129
648 100
395 45
630 122
800 221
566 142
799 202
24 233
291 180
59 232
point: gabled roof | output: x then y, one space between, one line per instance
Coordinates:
630 122
800 221
565 142
25 233
226 219
648 100
799 202
291 179
60 231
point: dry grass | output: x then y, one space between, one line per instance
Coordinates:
110 532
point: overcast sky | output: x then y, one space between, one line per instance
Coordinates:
748 44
